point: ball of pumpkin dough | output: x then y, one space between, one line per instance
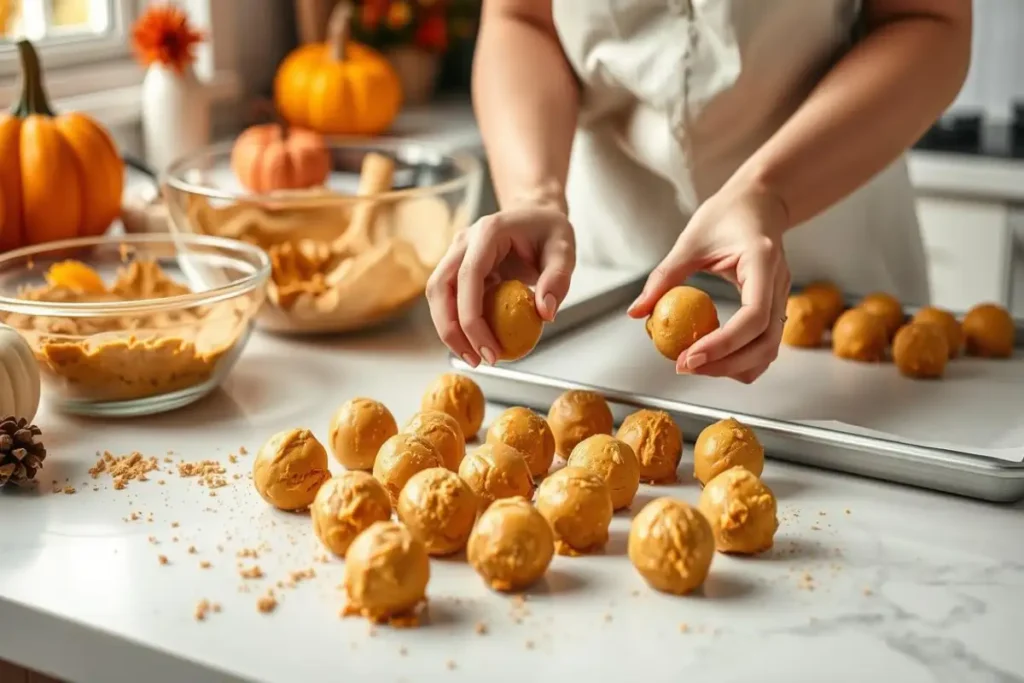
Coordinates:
578 505
827 298
671 545
386 573
726 444
577 415
495 471
681 317
805 322
947 322
656 441
858 335
887 308
443 432
460 397
989 332
358 429
290 468
510 310
920 350
741 511
402 456
511 545
439 509
345 506
528 433
612 460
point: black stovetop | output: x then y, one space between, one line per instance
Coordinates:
971 133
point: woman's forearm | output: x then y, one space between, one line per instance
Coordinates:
526 100
872 106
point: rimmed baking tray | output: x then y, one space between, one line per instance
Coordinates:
799 408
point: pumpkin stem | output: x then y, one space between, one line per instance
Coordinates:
339 29
264 111
33 98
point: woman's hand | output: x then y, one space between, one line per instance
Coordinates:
535 245
738 236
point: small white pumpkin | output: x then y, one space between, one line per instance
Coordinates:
19 376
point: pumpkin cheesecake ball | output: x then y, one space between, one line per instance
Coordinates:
510 310
576 415
989 332
741 511
947 322
290 468
402 456
511 545
612 460
887 308
439 509
578 506
805 322
528 433
460 397
386 573
724 445
920 350
859 335
671 545
345 506
657 443
827 298
443 432
495 471
359 428
681 317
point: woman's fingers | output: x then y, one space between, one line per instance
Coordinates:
483 253
557 262
444 310
674 269
756 273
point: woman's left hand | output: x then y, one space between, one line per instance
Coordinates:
736 234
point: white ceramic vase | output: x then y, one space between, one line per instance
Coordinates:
175 115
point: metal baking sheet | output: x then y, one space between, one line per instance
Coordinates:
809 407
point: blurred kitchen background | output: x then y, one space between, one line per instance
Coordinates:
968 171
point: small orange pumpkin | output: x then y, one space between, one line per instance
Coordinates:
271 156
339 87
60 175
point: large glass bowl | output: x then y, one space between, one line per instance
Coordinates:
152 345
342 258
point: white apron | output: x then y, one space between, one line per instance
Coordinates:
678 93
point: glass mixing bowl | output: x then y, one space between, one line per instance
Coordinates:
349 253
162 329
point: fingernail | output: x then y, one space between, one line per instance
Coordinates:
488 355
696 360
470 360
549 305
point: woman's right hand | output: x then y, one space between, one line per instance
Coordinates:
535 245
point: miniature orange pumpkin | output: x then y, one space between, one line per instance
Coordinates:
60 176
339 87
270 157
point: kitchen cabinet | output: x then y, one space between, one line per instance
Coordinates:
968 244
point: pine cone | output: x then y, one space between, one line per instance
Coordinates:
20 455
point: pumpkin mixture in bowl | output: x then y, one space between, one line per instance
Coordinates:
348 253
114 326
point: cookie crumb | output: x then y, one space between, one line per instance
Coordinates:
402 651
529 645
253 572
868 592
69 490
267 603
174 525
205 564
684 627
248 552
480 628
201 610
192 550
123 468
162 559
243 451
232 459
152 539
450 665
607 616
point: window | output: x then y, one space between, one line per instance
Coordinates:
66 32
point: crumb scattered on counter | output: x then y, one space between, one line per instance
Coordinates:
123 468
205 564
253 572
243 451
529 645
607 616
480 628
403 651
192 550
152 539
450 665
684 627
202 608
69 490
847 511
868 592
248 552
174 525
162 559
208 472
267 603
232 458
806 581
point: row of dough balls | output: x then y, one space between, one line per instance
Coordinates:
447 500
920 347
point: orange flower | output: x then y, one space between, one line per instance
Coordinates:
163 35
399 14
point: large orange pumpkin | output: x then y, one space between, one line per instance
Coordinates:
60 176
339 87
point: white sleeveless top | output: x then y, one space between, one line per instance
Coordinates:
678 93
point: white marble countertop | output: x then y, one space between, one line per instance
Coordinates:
867 582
